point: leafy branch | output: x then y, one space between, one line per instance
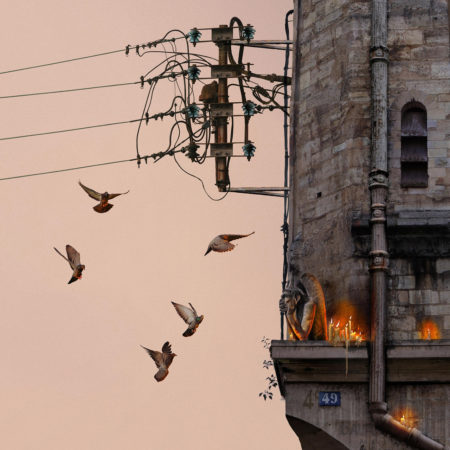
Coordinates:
272 381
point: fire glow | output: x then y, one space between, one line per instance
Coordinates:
406 416
342 331
428 330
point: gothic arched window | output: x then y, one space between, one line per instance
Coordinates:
414 154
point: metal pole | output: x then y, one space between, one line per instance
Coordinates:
221 137
379 256
378 186
285 227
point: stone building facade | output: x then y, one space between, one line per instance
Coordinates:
332 215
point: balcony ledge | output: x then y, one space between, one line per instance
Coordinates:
321 362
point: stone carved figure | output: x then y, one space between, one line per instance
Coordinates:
304 305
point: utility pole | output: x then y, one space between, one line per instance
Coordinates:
222 178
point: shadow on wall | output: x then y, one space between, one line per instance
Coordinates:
313 438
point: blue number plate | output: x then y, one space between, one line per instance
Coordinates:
330 398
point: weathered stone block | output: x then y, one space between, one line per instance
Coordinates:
447 322
423 297
429 52
438 310
435 37
405 37
442 265
406 282
405 323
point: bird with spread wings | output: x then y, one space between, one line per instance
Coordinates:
189 315
162 360
104 198
222 242
73 258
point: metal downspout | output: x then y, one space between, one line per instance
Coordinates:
379 257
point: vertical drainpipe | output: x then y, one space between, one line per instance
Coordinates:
378 186
379 257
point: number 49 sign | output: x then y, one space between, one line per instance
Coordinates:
329 398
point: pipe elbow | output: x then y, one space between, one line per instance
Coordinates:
412 436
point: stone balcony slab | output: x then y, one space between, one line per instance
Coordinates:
321 362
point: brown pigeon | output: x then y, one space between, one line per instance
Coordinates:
222 242
162 360
103 206
189 315
73 258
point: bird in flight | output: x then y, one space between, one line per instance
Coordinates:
103 206
189 315
73 258
222 242
162 360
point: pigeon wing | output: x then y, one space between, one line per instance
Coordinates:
93 194
222 246
193 310
156 356
167 348
185 313
232 237
167 355
59 253
73 255
110 196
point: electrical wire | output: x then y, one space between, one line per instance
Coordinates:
70 90
67 169
126 50
61 62
146 157
203 184
70 129
154 116
285 226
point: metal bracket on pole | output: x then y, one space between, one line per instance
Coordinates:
226 70
269 191
274 45
222 149
221 109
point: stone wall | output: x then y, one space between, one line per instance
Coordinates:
331 138
418 40
351 424
330 205
419 69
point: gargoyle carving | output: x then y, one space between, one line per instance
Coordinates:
304 305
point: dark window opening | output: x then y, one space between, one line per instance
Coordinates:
414 153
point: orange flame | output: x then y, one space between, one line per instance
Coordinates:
428 330
349 331
406 416
346 313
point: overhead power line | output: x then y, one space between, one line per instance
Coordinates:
155 156
125 50
67 169
60 91
143 119
62 62
70 129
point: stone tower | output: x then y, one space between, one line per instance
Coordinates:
370 219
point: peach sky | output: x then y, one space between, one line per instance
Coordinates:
73 375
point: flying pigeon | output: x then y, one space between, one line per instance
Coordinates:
189 315
103 206
222 242
73 258
162 360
